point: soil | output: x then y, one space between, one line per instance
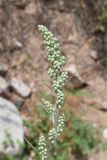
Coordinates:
21 49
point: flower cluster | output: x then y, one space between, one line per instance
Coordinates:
49 107
56 85
60 82
60 99
52 73
61 124
64 77
52 135
50 41
42 147
57 64
53 50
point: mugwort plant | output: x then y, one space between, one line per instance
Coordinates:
59 78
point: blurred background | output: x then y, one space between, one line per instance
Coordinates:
81 28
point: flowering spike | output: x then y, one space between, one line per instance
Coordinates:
57 61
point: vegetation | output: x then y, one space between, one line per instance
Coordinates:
79 138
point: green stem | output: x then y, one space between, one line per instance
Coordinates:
42 158
56 114
56 117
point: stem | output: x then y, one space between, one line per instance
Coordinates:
56 117
56 111
29 143
42 157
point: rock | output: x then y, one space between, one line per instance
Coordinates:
19 103
73 39
20 4
103 105
18 44
61 5
3 69
20 87
105 133
1 45
11 129
89 101
22 60
75 79
74 71
1 3
13 43
3 85
94 54
31 8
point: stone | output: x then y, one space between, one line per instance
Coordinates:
18 44
89 101
31 9
1 3
20 87
75 79
3 69
105 133
3 85
22 60
73 39
94 54
11 129
20 4
19 103
1 45
74 71
104 105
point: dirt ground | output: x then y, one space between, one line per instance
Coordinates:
21 49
